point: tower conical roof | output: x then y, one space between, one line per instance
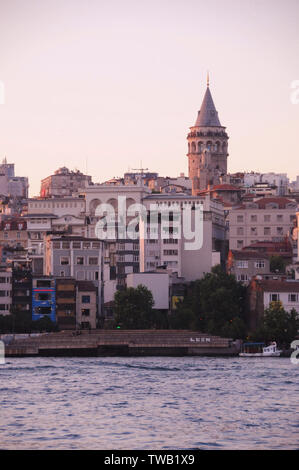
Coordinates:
207 116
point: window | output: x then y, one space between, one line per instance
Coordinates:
253 218
64 260
260 263
96 244
56 245
170 252
253 231
274 297
240 231
267 231
77 245
80 260
85 299
267 218
42 296
42 310
242 277
85 312
279 217
242 264
93 260
240 244
65 245
240 218
279 230
293 297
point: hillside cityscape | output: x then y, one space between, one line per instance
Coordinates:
57 274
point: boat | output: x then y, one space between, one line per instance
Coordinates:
260 350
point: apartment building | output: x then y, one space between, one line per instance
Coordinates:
13 232
21 301
86 305
63 183
66 303
60 215
5 290
245 265
265 219
167 244
43 298
263 292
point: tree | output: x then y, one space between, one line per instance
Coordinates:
278 325
182 319
277 264
133 308
217 303
222 304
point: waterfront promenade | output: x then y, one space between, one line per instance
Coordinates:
122 343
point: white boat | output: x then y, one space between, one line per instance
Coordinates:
260 350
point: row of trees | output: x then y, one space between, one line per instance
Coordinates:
215 304
23 323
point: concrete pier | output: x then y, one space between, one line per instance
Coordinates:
122 343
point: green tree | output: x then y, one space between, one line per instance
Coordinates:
217 303
277 264
133 308
183 318
278 325
222 304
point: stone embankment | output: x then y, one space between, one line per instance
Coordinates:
122 343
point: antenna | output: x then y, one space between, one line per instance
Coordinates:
141 170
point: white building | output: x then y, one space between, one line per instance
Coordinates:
173 248
279 180
157 283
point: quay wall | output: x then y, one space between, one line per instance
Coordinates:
123 343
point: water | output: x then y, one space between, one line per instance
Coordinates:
149 403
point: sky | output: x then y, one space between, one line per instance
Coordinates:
105 86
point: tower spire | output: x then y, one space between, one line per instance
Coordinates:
208 79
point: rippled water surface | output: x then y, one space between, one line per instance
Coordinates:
149 403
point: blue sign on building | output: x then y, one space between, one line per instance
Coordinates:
44 300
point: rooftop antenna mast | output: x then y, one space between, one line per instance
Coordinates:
141 170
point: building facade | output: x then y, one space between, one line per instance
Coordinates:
43 298
265 219
63 183
5 290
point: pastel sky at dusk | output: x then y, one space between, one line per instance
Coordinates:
106 84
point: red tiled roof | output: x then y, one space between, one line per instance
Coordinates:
279 286
281 201
225 187
249 254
